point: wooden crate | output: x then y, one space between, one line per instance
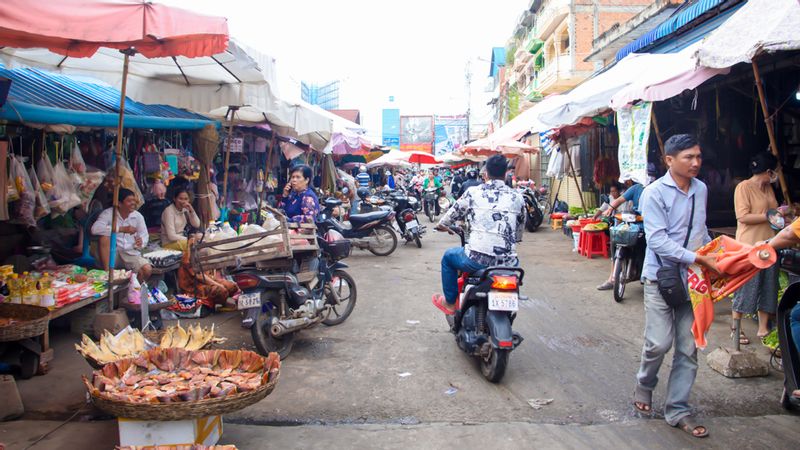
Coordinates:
306 238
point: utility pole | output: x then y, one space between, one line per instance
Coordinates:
468 78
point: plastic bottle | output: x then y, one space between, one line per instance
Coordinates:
47 296
14 288
30 295
260 181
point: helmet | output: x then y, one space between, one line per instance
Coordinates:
472 174
362 169
362 193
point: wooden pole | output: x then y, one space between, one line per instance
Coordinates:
112 250
658 133
224 199
771 133
574 176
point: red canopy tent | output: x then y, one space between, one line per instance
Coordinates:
78 28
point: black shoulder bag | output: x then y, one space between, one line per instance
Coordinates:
670 282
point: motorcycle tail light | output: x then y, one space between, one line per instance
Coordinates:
506 344
408 217
246 281
502 282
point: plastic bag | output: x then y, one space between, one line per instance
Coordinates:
134 290
22 209
69 197
92 180
76 163
46 173
42 208
129 182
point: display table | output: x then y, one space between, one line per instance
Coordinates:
66 309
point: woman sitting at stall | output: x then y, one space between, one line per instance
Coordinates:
174 220
300 203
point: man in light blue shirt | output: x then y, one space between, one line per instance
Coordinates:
666 207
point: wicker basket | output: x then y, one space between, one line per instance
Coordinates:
184 410
33 321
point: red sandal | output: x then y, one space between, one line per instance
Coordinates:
438 301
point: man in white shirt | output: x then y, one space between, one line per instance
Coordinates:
132 236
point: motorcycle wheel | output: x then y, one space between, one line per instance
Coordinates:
347 298
494 367
620 268
264 340
533 221
417 240
387 234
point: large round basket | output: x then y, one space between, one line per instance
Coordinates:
31 321
185 410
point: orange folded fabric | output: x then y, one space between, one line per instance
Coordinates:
738 263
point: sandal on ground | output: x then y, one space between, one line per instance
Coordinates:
743 339
607 286
691 426
438 301
643 400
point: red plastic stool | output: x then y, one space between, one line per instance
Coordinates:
594 243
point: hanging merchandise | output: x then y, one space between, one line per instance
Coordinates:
87 178
151 160
47 179
634 134
22 211
65 186
42 208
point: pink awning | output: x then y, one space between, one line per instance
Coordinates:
78 28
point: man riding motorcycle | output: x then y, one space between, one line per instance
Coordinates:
472 180
496 214
432 181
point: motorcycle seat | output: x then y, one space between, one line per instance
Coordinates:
360 219
332 202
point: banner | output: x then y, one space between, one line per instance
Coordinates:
450 133
634 133
416 133
391 128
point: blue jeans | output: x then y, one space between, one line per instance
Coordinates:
663 327
453 261
794 325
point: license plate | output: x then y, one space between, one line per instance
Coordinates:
503 301
247 301
412 224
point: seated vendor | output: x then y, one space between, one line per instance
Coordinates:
300 203
174 220
132 236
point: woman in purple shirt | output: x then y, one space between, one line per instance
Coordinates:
300 203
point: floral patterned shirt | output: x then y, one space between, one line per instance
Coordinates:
496 216
301 207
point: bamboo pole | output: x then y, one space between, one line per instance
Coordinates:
771 133
112 250
224 199
658 133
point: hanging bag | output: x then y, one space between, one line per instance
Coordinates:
22 209
151 159
671 285
42 208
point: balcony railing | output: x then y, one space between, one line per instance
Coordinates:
554 9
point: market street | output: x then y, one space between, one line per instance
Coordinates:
581 349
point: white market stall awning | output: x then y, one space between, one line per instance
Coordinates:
506 146
757 27
674 73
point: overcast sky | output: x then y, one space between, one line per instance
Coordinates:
414 50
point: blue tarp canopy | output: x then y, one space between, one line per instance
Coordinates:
47 98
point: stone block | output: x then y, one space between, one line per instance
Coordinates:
737 364
9 397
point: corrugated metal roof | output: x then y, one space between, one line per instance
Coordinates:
679 19
37 87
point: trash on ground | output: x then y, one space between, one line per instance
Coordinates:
537 403
404 374
412 322
451 391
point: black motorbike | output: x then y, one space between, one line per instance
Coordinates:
406 216
310 289
629 246
370 231
485 310
789 260
430 202
534 216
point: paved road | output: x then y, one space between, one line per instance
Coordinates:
581 349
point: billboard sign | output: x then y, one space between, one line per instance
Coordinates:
416 133
391 128
450 133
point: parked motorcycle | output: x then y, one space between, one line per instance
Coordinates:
629 247
277 303
430 201
789 259
406 217
533 214
485 310
370 231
